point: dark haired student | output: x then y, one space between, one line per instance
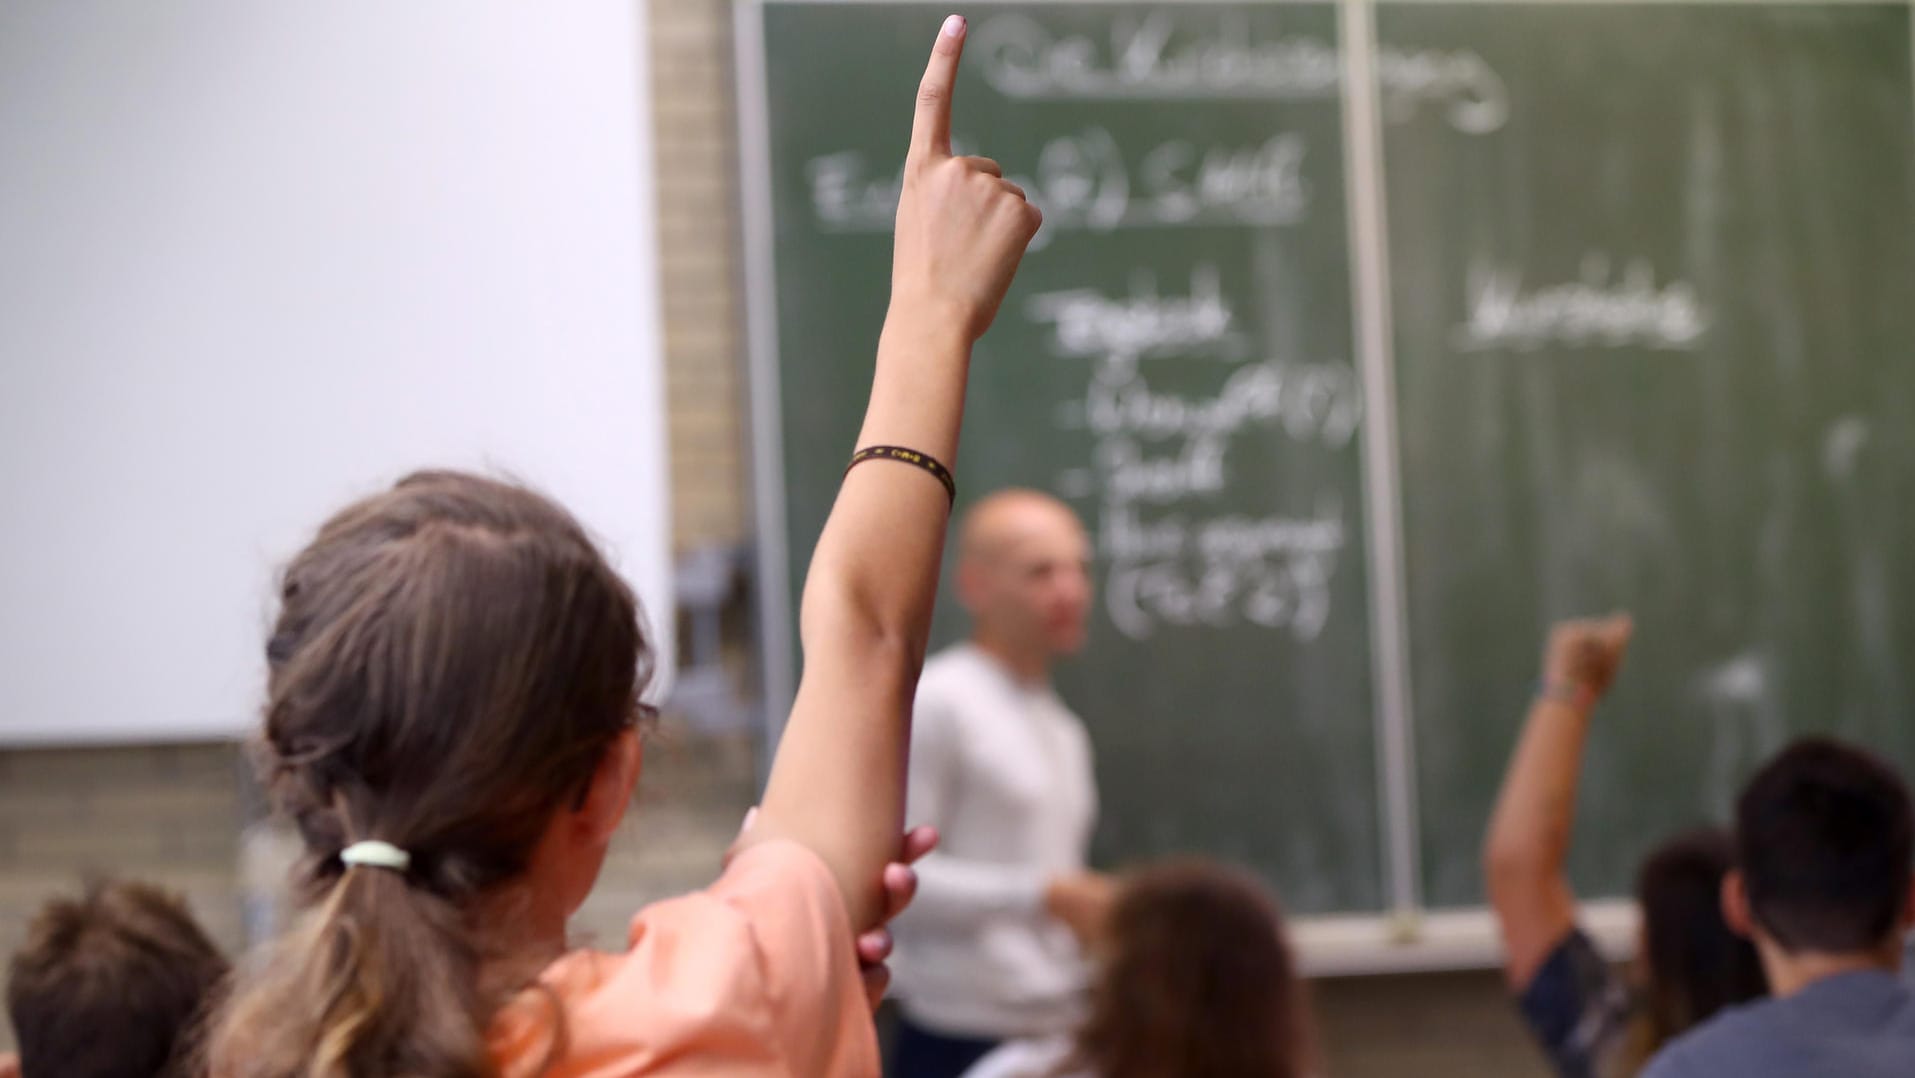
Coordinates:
1822 884
111 985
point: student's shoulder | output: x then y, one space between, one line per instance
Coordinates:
762 961
1736 1041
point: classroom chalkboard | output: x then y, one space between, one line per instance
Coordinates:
1648 268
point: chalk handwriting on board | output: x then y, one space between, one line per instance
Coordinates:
1478 101
1131 474
1159 459
1191 56
1083 182
846 196
1311 402
1601 309
1085 323
1183 183
1272 571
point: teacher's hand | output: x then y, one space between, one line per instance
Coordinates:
1082 901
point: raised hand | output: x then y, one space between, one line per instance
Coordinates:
962 228
1583 657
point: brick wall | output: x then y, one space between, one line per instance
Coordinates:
698 228
173 814
168 814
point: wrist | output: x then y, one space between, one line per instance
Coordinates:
926 323
1573 695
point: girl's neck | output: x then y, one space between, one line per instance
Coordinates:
522 937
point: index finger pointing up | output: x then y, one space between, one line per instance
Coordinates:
931 131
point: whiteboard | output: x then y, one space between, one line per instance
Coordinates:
259 259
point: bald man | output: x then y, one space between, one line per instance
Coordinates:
993 947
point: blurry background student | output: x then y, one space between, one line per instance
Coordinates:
1196 978
1824 886
113 984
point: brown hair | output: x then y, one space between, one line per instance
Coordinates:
451 661
1200 982
111 984
1694 963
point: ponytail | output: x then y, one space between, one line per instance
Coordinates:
380 977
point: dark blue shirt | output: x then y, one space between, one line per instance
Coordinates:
1577 1007
1852 1025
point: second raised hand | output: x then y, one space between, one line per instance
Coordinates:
962 228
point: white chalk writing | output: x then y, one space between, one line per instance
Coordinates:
1160 459
1272 571
1163 56
847 197
1083 182
1088 324
1318 402
1599 310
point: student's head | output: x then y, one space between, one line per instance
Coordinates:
1024 573
1199 981
111 985
1693 964
1823 853
455 671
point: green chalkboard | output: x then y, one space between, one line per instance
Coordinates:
1655 350
1175 361
1648 277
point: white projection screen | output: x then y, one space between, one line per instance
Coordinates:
259 259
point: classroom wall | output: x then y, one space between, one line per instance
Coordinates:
175 813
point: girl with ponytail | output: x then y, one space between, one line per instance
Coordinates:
452 721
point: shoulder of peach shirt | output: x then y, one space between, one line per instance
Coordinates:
755 977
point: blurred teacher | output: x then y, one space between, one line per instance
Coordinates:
994 946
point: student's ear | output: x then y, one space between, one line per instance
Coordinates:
1735 905
611 791
9 1065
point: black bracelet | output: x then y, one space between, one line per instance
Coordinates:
908 456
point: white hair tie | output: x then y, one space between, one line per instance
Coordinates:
376 854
